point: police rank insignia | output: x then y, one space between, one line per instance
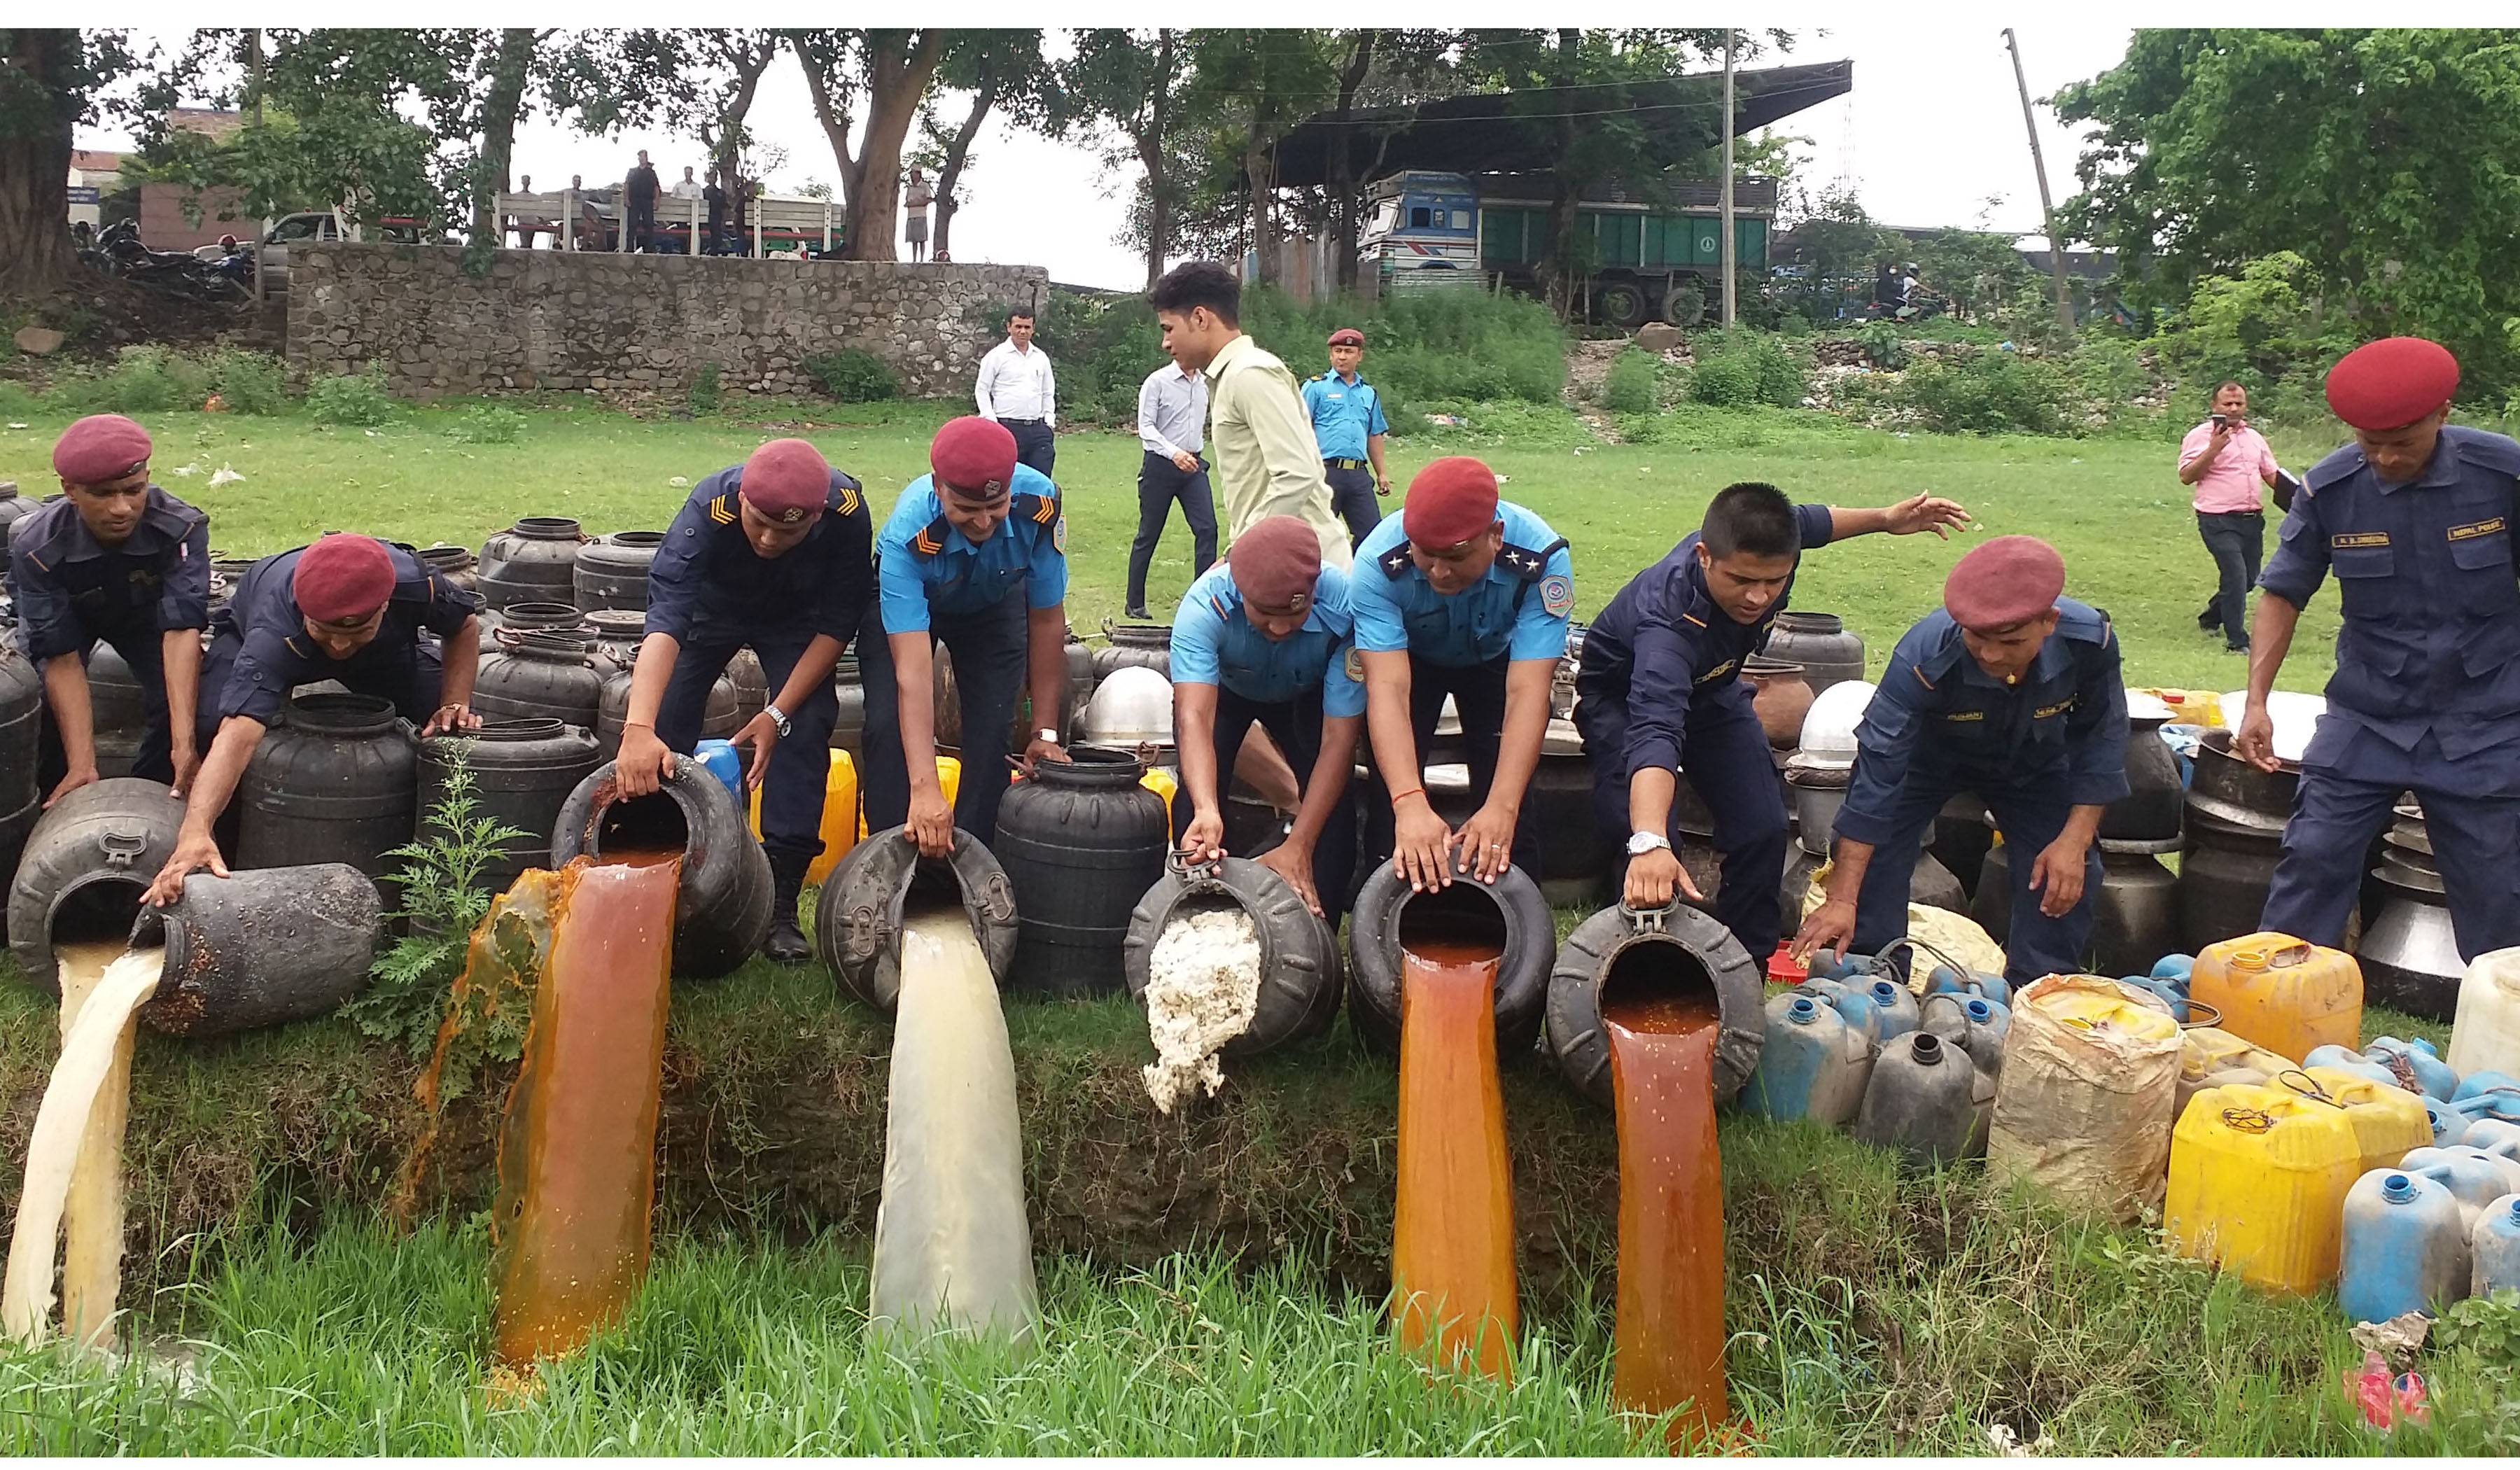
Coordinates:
792 514
1557 595
1059 535
1354 663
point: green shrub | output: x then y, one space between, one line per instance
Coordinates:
352 399
1993 392
144 380
1884 345
854 375
703 396
1740 368
1640 427
486 424
250 383
1630 387
443 897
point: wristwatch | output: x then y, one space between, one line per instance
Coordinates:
1641 843
778 720
1052 736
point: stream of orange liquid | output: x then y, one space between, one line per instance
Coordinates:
1452 1250
1670 1324
577 1157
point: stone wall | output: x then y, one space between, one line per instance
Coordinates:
634 326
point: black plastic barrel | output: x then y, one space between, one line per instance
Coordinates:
848 730
1509 911
2233 838
751 684
2150 812
334 780
456 564
543 675
612 571
261 947
857 923
1299 955
86 865
1080 842
1576 869
1821 643
532 618
13 508
530 561
1134 645
22 708
115 705
523 772
1619 952
722 908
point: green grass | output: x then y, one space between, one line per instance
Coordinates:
2114 506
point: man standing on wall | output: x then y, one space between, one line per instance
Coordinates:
1348 424
715 198
1266 455
683 193
639 204
2227 460
913 223
1172 421
1017 390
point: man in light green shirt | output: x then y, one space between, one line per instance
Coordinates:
1267 460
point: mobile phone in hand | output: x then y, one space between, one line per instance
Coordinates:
2221 420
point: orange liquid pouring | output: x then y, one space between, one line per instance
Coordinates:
577 1159
1452 1251
1670 1327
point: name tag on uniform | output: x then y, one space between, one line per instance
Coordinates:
2474 529
2051 710
1963 716
2347 541
1718 672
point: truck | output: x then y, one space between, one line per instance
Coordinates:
1428 230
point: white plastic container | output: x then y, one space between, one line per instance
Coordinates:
2484 1037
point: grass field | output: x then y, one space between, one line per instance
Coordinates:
1210 1283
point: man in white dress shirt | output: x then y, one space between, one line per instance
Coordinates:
1016 390
1172 423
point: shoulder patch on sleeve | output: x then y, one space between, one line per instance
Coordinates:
1526 563
1354 663
1395 561
1059 535
1557 594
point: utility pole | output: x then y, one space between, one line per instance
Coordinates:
253 83
2047 206
1731 267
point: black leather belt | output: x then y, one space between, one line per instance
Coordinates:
1026 422
1345 464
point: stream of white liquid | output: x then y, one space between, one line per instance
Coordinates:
953 1251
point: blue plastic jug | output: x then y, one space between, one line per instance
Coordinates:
1974 1023
2431 1073
720 758
1945 981
2174 967
1814 1063
2494 1136
1829 964
2346 1059
1895 1005
2474 1178
2494 1248
1851 998
2475 1084
2405 1248
2172 989
2501 1104
2448 1126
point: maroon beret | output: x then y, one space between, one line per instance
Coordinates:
1347 336
99 447
973 454
2002 582
1451 501
1276 563
2392 382
342 577
786 481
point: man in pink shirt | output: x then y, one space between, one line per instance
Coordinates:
2227 460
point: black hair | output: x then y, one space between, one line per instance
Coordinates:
2228 382
1753 518
1200 283
1019 314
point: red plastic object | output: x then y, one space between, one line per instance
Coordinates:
2385 1400
1781 966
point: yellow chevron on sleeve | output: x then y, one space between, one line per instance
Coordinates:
722 510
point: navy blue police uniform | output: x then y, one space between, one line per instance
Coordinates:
1460 645
1345 415
2426 693
1661 686
713 595
973 599
73 592
1938 725
259 649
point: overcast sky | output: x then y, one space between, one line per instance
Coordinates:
1931 135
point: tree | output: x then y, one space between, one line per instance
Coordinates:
895 68
1125 88
49 83
698 80
2380 157
1003 72
504 69
1248 87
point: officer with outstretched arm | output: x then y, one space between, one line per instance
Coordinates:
772 555
2012 692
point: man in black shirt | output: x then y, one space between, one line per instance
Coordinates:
639 202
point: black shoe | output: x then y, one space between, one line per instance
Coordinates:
786 944
1139 614
2209 622
2240 648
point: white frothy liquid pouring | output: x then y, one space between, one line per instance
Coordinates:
1202 990
953 1251
75 1156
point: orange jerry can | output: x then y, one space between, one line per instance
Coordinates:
2281 992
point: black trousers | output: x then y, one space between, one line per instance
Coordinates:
801 764
1160 482
2237 540
413 686
1035 445
1352 497
145 650
1729 765
989 649
1479 697
639 220
1296 726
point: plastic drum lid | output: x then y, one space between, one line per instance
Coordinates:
1828 729
2295 717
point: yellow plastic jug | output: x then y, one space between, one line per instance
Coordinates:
2257 1184
1164 785
842 826
949 774
2388 1121
2286 995
2212 1057
2202 707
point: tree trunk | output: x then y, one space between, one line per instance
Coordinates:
727 147
1257 168
499 106
1150 153
1343 182
896 86
831 111
957 149
36 164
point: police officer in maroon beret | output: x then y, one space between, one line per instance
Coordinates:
2012 691
769 554
2415 517
119 561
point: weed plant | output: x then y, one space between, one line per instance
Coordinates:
357 400
443 898
487 424
853 375
705 397
1629 386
